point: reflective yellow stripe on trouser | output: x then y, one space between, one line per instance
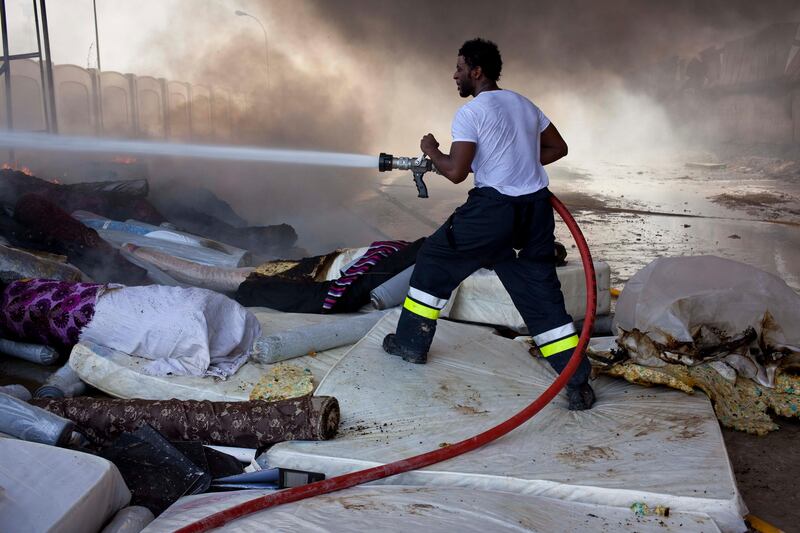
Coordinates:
559 346
420 309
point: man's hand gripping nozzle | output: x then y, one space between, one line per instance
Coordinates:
418 167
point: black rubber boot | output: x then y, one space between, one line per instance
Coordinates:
413 338
579 393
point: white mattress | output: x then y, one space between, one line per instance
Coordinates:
44 488
121 375
654 445
432 509
482 298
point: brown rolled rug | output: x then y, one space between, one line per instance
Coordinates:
251 424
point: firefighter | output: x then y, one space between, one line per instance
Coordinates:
505 140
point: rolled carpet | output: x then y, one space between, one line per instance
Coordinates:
244 424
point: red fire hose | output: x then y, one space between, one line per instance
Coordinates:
426 459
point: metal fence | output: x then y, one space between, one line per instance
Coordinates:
113 104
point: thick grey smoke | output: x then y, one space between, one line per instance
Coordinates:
364 76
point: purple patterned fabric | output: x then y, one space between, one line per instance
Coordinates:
377 250
44 311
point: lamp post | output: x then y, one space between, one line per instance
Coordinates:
266 45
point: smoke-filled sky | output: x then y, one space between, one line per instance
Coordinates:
366 76
369 76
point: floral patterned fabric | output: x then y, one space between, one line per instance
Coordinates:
49 312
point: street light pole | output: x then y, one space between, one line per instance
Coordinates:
266 44
96 36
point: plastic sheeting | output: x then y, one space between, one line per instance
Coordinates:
52 489
123 376
672 295
184 331
661 447
482 298
310 339
407 508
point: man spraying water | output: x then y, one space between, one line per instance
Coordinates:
505 140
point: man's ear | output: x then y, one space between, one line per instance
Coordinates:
476 73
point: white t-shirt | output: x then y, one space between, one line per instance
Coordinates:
506 127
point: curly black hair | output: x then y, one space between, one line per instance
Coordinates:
485 54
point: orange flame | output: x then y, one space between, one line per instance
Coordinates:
24 170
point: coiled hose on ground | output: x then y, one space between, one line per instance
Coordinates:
441 454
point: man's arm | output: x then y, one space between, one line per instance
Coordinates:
454 166
552 145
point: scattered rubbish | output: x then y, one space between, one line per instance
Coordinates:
27 422
243 424
132 519
64 383
317 338
35 353
642 509
281 382
46 488
156 473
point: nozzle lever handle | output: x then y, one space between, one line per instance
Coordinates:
422 189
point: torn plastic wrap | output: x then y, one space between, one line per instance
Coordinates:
244 424
28 422
691 310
